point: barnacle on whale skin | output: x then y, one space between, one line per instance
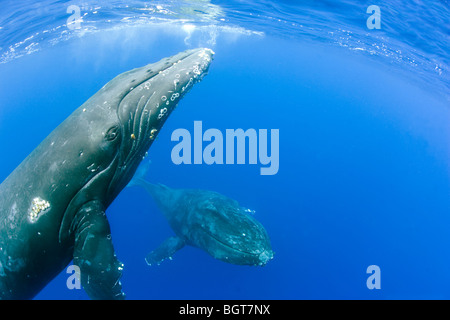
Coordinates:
38 206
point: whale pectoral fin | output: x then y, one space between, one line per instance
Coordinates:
100 271
165 250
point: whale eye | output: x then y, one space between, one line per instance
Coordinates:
112 133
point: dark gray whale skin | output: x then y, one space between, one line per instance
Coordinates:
52 206
207 220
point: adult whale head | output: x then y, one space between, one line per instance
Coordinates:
52 206
125 116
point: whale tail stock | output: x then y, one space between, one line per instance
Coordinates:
140 180
139 176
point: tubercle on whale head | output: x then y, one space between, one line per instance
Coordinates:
264 257
149 96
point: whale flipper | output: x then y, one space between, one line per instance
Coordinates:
100 270
165 250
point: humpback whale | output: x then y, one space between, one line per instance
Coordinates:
52 206
207 220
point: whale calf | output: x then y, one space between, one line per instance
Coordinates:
52 206
207 220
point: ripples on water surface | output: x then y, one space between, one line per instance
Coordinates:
414 34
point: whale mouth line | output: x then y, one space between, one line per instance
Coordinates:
232 248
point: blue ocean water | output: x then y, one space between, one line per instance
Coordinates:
363 116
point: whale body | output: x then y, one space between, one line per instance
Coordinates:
207 220
52 206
